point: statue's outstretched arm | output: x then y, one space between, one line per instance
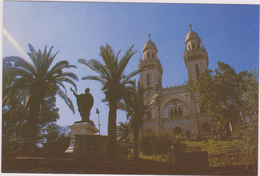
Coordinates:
75 94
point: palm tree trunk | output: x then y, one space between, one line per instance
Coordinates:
34 112
112 129
136 153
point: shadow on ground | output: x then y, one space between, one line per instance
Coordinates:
121 166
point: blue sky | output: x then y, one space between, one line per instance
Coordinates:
230 33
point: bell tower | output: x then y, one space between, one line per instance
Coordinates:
195 56
196 60
151 74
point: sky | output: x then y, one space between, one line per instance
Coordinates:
230 33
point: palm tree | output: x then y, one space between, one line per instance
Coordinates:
38 81
115 82
123 132
135 107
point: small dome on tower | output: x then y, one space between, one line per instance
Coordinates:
150 44
192 35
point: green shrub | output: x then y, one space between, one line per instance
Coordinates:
163 143
124 148
147 143
151 143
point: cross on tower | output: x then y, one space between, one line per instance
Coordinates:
190 26
149 36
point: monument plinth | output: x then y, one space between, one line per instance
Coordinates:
84 144
83 128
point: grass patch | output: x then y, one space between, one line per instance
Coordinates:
220 153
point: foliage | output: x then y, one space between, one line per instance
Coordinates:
151 143
35 82
123 132
14 126
55 138
221 153
221 95
147 143
248 127
163 143
55 132
124 149
114 81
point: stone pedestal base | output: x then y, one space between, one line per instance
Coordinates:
91 147
83 128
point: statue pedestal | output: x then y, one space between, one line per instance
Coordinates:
91 147
83 128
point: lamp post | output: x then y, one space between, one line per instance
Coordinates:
97 111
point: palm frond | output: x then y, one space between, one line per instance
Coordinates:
21 64
88 64
66 99
151 100
108 59
125 59
65 79
33 55
132 74
13 72
96 78
59 66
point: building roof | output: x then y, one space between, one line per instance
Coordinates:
150 44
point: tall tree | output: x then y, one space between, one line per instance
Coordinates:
247 132
221 95
136 107
37 81
15 118
114 81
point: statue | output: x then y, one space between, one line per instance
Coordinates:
85 102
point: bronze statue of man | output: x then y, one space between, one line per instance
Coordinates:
85 102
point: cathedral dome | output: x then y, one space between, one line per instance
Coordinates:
150 45
192 35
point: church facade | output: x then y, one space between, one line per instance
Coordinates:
177 109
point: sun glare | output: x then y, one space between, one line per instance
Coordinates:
15 44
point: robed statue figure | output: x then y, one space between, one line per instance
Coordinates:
85 102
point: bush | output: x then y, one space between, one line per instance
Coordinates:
123 148
147 143
163 143
150 143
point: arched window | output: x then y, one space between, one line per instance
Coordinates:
177 130
175 112
171 113
193 45
148 55
152 55
197 70
148 79
179 112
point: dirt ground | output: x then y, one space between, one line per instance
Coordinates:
121 166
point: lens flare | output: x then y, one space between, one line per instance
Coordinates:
15 44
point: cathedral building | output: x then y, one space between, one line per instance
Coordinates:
177 109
